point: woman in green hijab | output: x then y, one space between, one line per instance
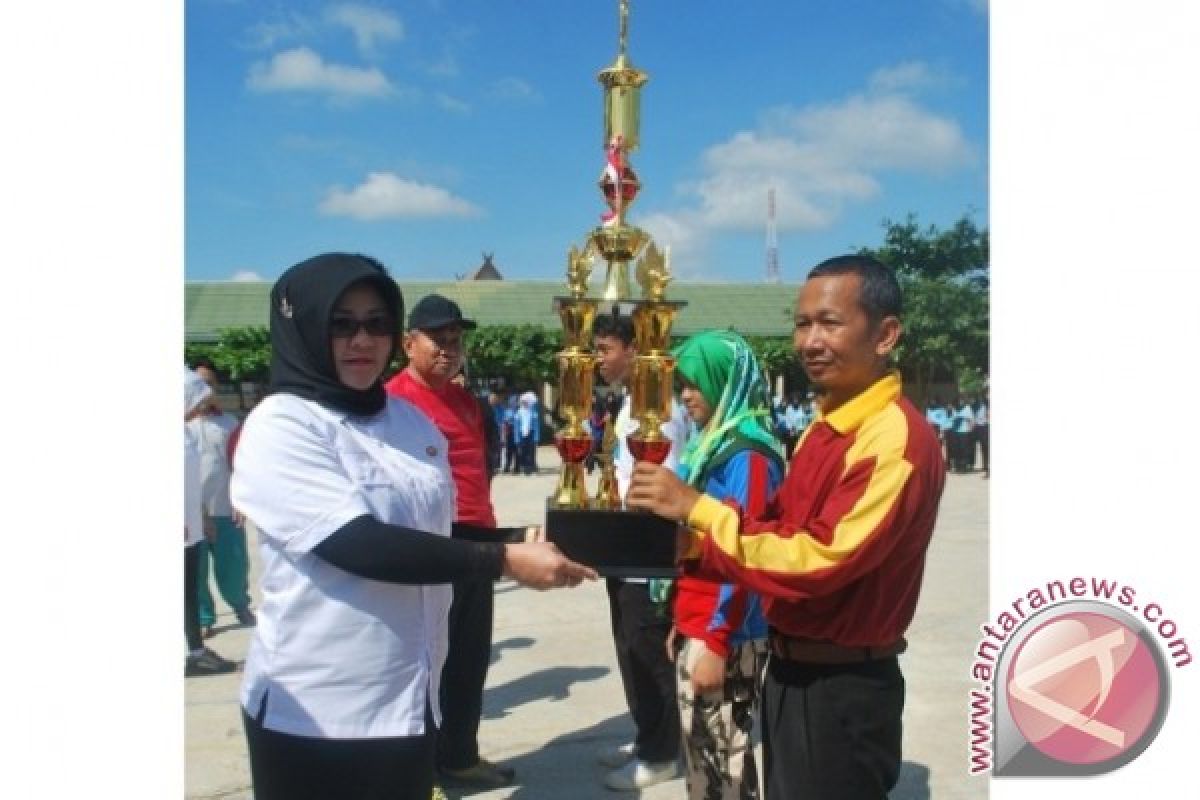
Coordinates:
720 627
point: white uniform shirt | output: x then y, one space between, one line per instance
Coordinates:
212 435
193 507
336 655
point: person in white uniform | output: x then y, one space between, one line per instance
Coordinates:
200 660
640 625
352 500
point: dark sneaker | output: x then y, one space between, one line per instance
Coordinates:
484 773
246 617
206 662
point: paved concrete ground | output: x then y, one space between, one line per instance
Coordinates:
554 696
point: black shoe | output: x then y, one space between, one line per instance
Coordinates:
483 774
246 617
206 662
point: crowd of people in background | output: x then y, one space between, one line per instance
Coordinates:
962 428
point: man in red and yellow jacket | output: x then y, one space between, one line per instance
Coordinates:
839 552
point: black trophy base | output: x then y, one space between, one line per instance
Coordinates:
618 544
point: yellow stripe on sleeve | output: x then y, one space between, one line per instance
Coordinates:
882 440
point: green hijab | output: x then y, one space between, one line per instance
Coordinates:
722 366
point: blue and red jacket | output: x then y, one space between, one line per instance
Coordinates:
724 615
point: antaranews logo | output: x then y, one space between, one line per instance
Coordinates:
1072 681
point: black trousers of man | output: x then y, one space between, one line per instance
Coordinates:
640 630
832 731
468 656
191 603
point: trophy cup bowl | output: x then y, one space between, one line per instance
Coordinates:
653 450
573 449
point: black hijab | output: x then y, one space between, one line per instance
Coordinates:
302 303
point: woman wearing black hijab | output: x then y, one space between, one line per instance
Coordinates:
351 495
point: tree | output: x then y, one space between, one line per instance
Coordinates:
944 276
776 356
523 355
961 251
242 353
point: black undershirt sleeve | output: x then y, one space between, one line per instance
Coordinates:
366 547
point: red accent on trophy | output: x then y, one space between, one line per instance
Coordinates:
655 451
573 450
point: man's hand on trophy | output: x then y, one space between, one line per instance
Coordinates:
540 565
657 489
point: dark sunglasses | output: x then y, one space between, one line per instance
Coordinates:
348 327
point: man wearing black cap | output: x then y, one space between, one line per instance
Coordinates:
434 346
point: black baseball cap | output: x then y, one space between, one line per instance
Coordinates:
434 311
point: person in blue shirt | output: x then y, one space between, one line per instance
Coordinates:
962 421
512 459
528 427
936 413
718 639
981 431
795 417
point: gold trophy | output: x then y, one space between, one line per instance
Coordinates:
654 366
596 530
576 367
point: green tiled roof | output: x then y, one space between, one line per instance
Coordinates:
754 309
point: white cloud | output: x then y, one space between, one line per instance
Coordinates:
384 195
267 35
686 235
369 25
909 76
514 90
818 158
446 66
451 104
302 70
246 276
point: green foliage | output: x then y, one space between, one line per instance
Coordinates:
776 356
961 251
524 355
944 275
242 354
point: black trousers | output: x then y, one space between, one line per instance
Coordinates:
465 672
191 610
527 458
287 767
640 635
962 451
981 436
832 732
511 459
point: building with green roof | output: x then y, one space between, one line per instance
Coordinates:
753 309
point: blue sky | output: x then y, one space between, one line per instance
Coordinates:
426 132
